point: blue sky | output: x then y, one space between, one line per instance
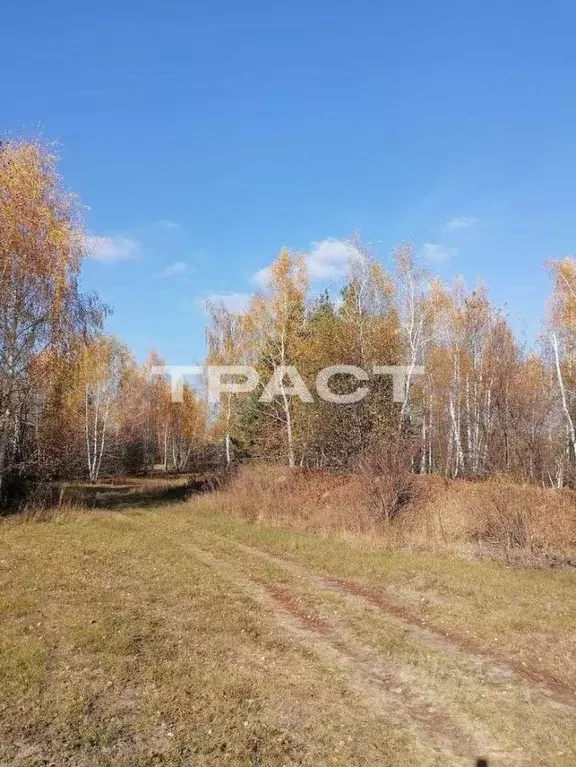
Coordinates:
204 136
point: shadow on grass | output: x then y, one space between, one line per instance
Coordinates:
138 495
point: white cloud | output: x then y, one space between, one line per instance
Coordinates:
178 267
234 302
260 278
437 253
111 249
460 222
327 259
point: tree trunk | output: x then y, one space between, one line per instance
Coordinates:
570 423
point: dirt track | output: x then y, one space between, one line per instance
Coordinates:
387 685
170 635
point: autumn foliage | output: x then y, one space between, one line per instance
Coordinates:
74 402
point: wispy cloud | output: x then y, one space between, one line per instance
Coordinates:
234 302
113 248
460 222
327 259
177 268
437 253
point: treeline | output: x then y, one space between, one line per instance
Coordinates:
484 404
75 403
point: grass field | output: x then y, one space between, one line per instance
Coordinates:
166 634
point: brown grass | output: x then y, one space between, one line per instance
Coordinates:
176 635
496 516
120 647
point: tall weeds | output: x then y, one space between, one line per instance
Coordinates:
387 502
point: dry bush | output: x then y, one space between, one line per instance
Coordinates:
504 518
496 515
388 478
525 517
368 502
386 501
302 498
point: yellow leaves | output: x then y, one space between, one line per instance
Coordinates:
381 280
438 297
191 415
102 361
289 273
562 305
287 285
276 316
226 335
39 233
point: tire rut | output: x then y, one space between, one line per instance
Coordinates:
376 681
499 668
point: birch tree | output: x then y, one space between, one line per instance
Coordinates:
275 321
102 365
226 339
41 306
562 321
420 300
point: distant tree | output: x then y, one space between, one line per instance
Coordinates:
562 317
226 339
102 365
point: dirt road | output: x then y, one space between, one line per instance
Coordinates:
170 636
386 682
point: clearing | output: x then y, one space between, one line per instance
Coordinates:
163 634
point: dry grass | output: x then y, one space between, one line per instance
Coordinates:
527 615
302 499
473 639
176 635
528 524
118 647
